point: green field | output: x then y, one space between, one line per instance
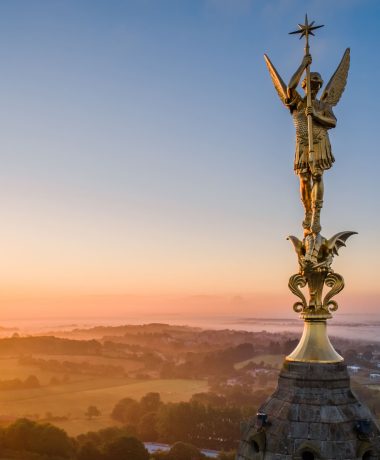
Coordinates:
274 360
71 400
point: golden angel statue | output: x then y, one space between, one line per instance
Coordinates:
312 119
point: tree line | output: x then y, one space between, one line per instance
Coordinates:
206 421
29 440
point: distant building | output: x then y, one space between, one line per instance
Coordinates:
353 369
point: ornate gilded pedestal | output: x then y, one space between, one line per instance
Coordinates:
315 256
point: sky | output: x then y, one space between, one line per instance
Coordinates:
147 161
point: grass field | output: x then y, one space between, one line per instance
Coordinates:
10 369
274 360
128 364
73 399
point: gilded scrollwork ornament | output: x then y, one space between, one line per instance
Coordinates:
296 282
315 256
336 283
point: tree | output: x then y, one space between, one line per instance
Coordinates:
151 402
182 420
209 399
126 411
32 382
89 452
146 428
51 441
19 435
184 451
43 438
106 435
92 411
127 448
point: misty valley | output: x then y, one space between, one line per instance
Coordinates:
98 392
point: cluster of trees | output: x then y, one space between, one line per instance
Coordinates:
205 421
26 440
140 417
118 447
212 363
70 367
118 443
162 350
243 397
18 384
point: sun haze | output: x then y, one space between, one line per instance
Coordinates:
147 161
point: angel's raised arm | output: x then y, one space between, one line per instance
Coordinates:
294 81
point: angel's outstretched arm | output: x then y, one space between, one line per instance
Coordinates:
294 81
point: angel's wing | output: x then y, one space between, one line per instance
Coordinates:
277 80
335 87
338 240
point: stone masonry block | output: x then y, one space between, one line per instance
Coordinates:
331 414
299 430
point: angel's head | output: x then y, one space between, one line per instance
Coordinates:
316 83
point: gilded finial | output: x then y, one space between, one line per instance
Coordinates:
306 29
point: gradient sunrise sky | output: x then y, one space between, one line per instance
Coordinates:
147 160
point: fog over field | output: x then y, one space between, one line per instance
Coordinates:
171 379
342 325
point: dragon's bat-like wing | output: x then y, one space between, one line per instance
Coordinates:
338 240
296 243
335 87
277 80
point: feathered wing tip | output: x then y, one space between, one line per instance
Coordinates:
335 87
338 241
277 80
297 243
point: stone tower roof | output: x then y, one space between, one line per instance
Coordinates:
312 415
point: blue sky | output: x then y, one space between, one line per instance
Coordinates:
145 151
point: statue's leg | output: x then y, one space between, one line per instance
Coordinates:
305 190
317 199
